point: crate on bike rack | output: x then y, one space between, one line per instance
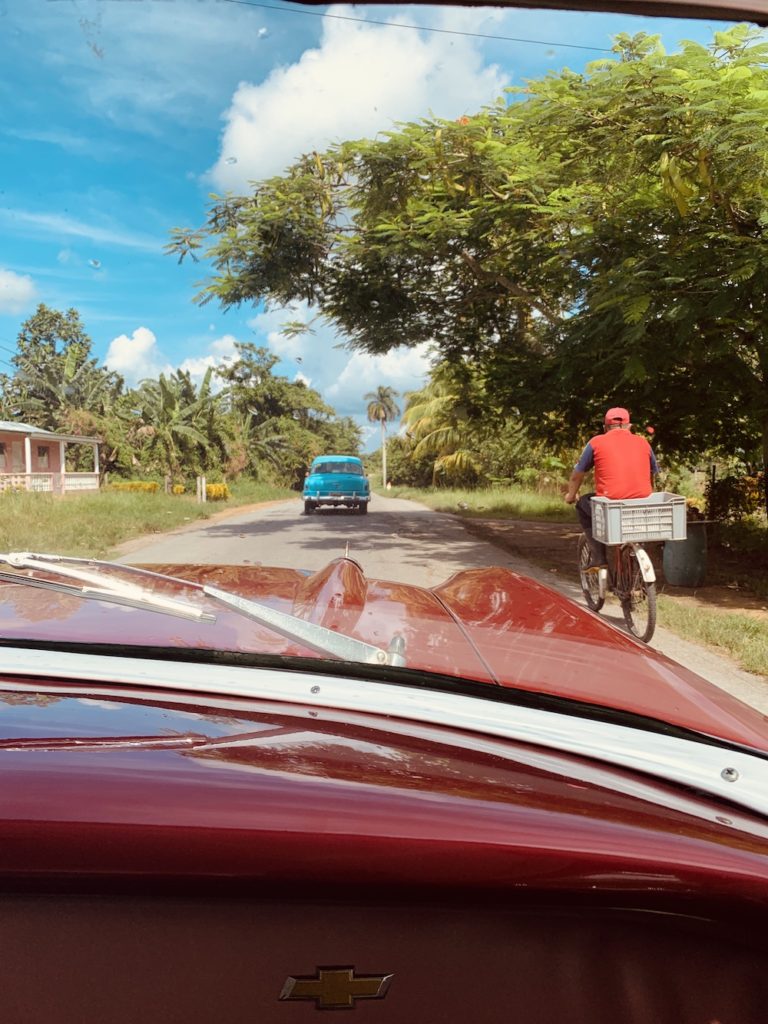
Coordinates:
661 516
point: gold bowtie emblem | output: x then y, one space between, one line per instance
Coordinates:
336 988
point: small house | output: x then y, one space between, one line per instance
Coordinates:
35 460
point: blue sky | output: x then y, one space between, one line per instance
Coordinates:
119 117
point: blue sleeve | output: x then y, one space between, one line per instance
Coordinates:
586 462
654 464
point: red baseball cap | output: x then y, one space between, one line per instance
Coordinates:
617 415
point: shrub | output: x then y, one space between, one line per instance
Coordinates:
142 486
178 489
216 492
734 497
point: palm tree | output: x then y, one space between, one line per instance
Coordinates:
436 420
382 407
177 421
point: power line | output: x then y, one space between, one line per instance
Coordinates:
420 28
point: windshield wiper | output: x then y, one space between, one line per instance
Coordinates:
326 641
93 586
99 587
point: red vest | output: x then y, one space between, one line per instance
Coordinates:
622 465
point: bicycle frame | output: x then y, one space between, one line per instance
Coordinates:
610 578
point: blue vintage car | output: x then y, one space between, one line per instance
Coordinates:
337 480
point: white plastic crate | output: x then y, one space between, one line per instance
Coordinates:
661 516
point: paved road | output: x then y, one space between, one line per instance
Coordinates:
398 540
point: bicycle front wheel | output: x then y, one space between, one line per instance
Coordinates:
590 582
638 598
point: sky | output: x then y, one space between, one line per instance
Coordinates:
119 119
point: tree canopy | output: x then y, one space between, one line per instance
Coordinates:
600 238
240 418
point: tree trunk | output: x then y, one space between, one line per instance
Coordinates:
765 462
383 453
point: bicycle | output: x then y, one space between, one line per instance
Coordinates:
630 576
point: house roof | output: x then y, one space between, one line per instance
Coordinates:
14 427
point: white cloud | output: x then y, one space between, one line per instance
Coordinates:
16 291
58 226
221 351
136 357
397 75
288 348
139 355
224 348
341 377
404 369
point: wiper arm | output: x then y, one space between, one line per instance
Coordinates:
318 638
93 586
101 588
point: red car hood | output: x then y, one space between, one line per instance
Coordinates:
492 626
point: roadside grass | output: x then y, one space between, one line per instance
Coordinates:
88 525
491 503
743 637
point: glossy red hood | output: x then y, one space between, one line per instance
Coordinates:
487 625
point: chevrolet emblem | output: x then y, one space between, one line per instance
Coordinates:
336 988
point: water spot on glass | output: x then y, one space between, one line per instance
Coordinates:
262 33
231 160
375 304
550 53
424 177
96 264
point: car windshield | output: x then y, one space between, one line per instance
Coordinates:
445 240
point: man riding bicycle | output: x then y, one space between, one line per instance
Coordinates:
624 465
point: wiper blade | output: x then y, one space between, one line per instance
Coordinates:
93 585
101 588
309 634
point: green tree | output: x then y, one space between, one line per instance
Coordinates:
276 424
381 409
57 382
600 239
436 420
175 428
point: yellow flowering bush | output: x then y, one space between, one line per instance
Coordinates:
216 492
143 486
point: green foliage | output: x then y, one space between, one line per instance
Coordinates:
382 406
734 497
405 469
600 240
276 426
56 379
258 423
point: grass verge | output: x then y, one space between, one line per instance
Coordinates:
743 637
496 502
90 524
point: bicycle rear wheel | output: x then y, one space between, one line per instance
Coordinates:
638 598
590 583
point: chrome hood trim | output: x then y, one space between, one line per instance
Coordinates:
737 777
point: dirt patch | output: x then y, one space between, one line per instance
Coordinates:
553 547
